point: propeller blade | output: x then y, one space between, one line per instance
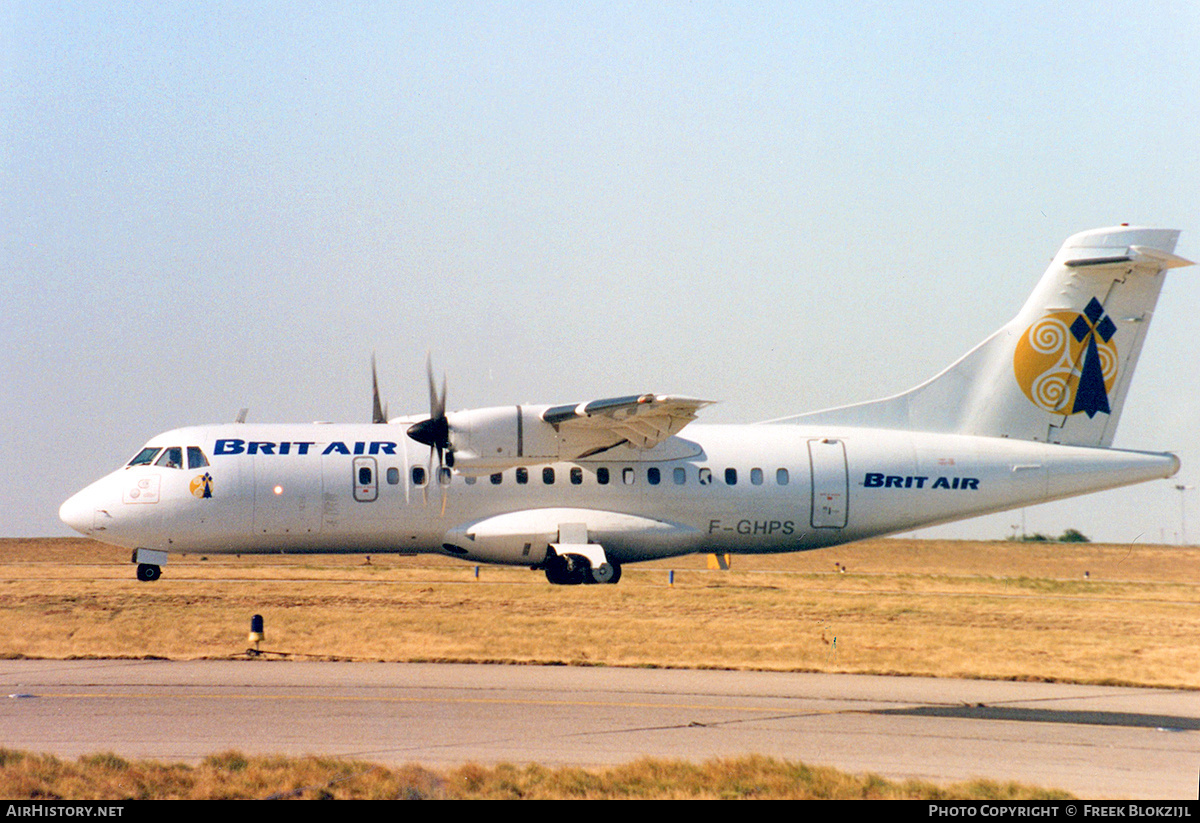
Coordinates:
437 404
378 410
434 432
428 479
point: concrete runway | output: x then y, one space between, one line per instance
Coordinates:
1098 742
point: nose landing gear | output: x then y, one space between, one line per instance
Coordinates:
148 573
149 564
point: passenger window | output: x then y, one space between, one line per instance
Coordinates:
653 476
172 458
364 475
393 476
548 476
756 477
680 475
781 477
576 476
418 475
731 477
196 458
145 457
705 476
444 475
470 480
496 478
627 476
522 475
602 475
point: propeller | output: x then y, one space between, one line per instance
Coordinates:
435 431
378 410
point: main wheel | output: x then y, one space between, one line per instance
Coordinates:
604 573
556 570
616 567
147 573
569 570
578 569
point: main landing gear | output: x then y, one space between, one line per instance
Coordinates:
574 570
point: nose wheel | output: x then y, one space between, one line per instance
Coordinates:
148 573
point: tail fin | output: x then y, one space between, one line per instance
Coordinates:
1059 371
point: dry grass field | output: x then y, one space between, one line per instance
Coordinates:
231 776
942 608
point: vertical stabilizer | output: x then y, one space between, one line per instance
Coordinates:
1060 370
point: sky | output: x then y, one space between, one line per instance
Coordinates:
779 206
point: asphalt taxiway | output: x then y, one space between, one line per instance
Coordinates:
1095 741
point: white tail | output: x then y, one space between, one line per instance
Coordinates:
1060 370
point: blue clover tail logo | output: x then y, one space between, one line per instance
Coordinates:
1092 394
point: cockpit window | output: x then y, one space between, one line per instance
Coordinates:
196 458
144 457
172 458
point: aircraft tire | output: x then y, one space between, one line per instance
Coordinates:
562 571
148 573
604 573
578 570
568 570
556 572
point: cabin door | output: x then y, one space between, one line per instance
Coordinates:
830 483
366 479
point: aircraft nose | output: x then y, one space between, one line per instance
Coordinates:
78 512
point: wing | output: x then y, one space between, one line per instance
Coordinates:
641 420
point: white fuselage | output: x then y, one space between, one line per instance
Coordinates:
739 489
577 489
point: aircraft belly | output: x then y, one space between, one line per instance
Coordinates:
523 537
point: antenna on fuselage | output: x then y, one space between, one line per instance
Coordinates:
241 416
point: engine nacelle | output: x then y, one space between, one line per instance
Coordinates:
497 438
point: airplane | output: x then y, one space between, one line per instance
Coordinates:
578 490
